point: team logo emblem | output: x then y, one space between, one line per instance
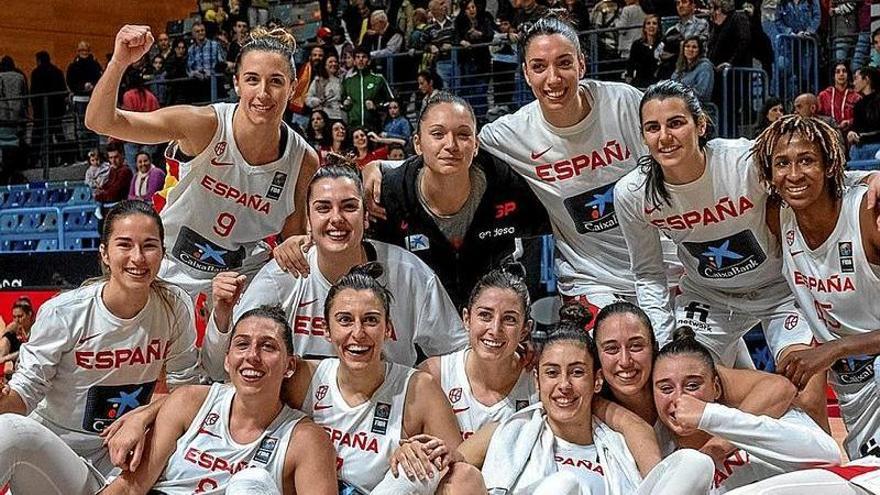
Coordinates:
418 242
845 249
211 419
220 148
455 395
727 257
791 321
321 393
789 237
521 404
593 211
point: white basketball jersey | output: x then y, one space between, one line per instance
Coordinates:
365 435
572 172
583 462
223 207
471 413
421 310
84 367
838 291
206 456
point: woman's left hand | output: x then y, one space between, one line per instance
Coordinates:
419 456
687 411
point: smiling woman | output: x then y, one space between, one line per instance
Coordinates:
241 147
94 354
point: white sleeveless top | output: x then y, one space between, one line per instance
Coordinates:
223 207
206 455
583 462
471 413
365 435
838 291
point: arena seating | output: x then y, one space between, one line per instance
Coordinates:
45 216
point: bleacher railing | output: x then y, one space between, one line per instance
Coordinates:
797 66
743 92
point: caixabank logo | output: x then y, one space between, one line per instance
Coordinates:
593 211
106 403
197 252
727 257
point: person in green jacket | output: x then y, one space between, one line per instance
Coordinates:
364 92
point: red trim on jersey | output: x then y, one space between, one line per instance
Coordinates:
850 472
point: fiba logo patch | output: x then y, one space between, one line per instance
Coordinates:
455 395
789 237
220 148
321 393
791 321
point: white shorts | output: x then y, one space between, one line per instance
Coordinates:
720 319
861 477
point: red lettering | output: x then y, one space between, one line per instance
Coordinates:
563 170
505 209
82 359
544 173
206 460
580 162
104 360
191 455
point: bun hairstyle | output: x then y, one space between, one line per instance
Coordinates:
272 313
508 277
277 40
684 341
361 277
337 166
573 318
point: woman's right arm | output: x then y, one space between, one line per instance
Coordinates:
643 241
192 126
175 415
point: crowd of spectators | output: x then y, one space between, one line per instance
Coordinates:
372 63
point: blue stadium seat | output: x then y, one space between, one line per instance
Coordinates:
47 245
49 222
9 222
80 195
35 198
29 222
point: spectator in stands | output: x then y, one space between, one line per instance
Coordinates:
341 43
318 129
837 101
807 106
162 48
369 146
15 334
48 110
239 38
382 39
175 71
505 63
631 17
688 25
356 19
82 75
641 68
363 92
875 51
258 13
694 69
730 37
578 13
147 180
396 125
428 84
799 18
202 60
98 170
441 38
340 141
474 26
137 98
771 111
325 92
155 77
864 136
396 152
13 104
115 187
843 30
527 11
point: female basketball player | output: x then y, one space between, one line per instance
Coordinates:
422 313
571 146
686 390
831 258
242 171
206 438
627 346
558 446
367 405
95 353
488 381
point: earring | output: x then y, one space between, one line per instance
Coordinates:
288 374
